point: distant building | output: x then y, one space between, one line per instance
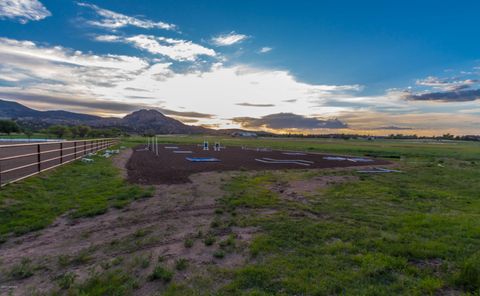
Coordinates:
244 134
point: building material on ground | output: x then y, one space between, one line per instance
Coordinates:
281 161
359 159
338 158
294 153
182 151
87 160
379 171
170 147
288 160
202 159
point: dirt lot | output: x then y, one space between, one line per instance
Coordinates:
144 167
137 237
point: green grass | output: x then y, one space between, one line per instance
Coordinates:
413 233
410 233
76 189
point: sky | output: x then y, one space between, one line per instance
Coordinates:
364 67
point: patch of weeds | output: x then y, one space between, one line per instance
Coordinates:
199 234
469 276
66 281
142 261
209 240
216 223
141 233
188 243
81 258
162 274
181 264
22 270
113 282
228 243
218 211
219 254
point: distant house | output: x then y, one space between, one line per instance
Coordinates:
244 134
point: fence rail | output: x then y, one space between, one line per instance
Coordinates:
20 161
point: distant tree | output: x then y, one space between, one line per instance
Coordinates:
8 127
149 133
74 131
59 131
83 130
28 132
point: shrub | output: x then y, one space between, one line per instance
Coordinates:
181 264
209 240
161 273
188 243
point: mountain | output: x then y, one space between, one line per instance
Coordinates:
14 110
140 121
151 120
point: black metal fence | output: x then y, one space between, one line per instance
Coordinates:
20 161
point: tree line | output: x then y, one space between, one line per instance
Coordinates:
61 131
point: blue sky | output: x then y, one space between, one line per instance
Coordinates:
373 67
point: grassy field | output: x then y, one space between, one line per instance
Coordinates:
79 189
411 233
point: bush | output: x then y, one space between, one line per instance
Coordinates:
66 281
22 270
161 273
181 264
188 243
209 240
219 254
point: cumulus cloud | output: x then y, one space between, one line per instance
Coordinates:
265 49
229 39
255 105
447 96
114 20
23 10
285 121
175 49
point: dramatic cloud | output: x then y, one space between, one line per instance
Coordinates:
81 105
393 127
447 84
114 20
189 114
265 49
255 105
229 39
285 121
175 49
51 76
23 10
448 96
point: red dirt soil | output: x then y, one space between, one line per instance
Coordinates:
144 167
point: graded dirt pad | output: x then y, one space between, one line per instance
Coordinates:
144 167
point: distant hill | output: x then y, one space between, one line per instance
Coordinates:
140 121
14 110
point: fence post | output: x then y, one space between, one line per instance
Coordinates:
75 150
39 159
84 147
61 152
